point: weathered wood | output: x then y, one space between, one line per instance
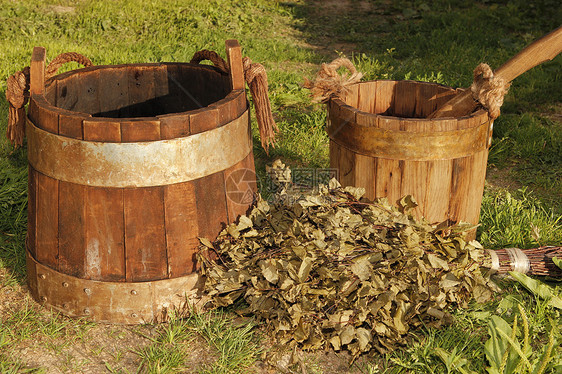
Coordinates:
240 187
364 174
31 210
174 126
182 228
145 241
105 228
37 71
43 115
102 130
71 229
414 173
436 201
201 120
141 89
88 91
114 92
384 96
47 221
367 97
212 211
70 124
140 130
234 59
404 99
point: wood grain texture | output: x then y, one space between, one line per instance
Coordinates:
367 96
140 130
71 229
37 71
32 210
102 130
105 234
212 211
114 92
44 116
145 239
415 173
89 92
70 124
240 187
47 221
202 120
364 174
141 89
174 126
234 60
384 96
182 228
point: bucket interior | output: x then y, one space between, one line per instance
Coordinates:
404 99
140 90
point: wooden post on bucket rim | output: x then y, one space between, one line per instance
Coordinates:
234 57
37 71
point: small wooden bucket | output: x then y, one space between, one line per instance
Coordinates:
128 166
381 140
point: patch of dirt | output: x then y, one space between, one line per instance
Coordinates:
337 18
502 179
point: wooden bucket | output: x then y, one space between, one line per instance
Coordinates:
128 166
381 140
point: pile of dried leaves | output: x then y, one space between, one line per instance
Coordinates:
326 268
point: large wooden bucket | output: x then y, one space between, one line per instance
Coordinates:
128 166
381 140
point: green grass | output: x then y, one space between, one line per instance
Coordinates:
234 346
439 41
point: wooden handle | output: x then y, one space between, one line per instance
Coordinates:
37 71
541 50
234 56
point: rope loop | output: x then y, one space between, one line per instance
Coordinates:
488 89
329 83
17 93
212 56
64 58
256 78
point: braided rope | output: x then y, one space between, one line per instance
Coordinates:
488 89
329 84
62 59
212 56
17 94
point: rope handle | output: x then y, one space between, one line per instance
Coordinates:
17 93
256 78
212 56
64 58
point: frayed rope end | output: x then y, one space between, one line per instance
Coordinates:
328 84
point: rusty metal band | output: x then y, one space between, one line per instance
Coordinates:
114 302
141 164
405 145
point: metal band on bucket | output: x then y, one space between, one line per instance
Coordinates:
140 164
115 302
